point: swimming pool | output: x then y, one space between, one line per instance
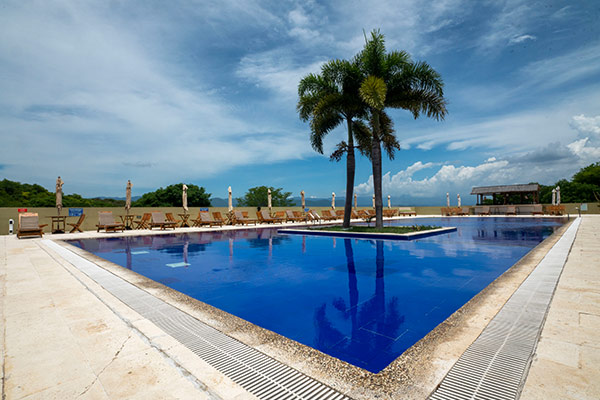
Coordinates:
362 301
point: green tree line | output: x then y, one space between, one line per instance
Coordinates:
16 194
584 187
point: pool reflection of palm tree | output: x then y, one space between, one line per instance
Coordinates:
380 321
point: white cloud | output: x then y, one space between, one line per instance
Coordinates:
276 71
93 101
579 64
583 151
586 125
521 39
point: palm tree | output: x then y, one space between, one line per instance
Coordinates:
393 80
327 100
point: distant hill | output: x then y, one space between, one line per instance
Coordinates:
16 194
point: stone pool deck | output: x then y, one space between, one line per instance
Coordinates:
62 336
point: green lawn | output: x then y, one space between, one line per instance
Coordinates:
386 229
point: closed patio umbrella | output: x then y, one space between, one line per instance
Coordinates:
373 200
59 194
230 200
333 200
558 195
184 198
554 196
447 199
389 201
355 202
269 201
303 202
458 198
128 196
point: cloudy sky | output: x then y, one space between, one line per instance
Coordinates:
204 92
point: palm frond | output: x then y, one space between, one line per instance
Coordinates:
373 91
363 137
340 150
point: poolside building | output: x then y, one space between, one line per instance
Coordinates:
508 194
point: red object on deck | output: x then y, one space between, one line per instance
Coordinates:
22 210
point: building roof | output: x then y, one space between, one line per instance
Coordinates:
506 189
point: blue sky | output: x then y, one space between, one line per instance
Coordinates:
204 92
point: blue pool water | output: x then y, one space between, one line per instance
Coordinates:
362 301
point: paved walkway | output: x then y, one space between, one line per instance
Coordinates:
567 360
62 336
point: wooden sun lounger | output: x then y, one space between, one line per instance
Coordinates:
290 216
300 217
144 222
389 213
313 216
264 217
482 210
218 217
510 210
107 222
158 219
172 219
199 221
406 211
243 219
207 220
77 225
29 225
327 216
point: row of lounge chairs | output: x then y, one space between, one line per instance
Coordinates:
29 222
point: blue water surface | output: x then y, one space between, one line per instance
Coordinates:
362 301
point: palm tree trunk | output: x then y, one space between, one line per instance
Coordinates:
376 162
350 171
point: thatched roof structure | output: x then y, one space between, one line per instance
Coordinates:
502 193
490 190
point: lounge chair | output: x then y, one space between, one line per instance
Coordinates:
327 216
510 210
339 214
389 213
300 216
158 219
244 220
107 222
218 217
207 220
171 218
406 211
29 225
264 217
537 209
199 221
463 211
290 216
313 216
77 225
482 210
144 223
363 214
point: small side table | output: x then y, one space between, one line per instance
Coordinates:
184 220
127 220
58 223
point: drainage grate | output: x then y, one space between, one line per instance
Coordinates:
256 372
495 365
